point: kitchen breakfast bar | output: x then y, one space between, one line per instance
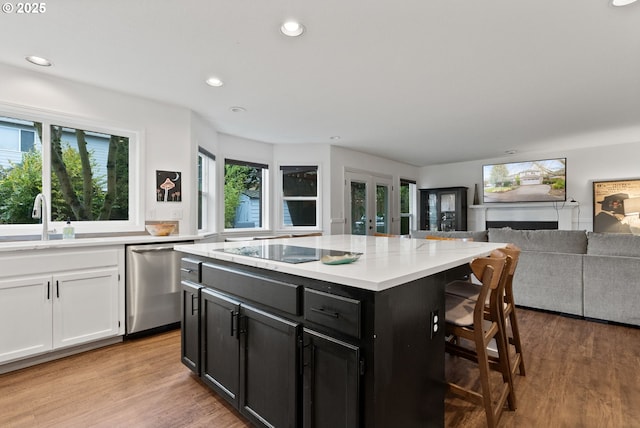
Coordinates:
291 341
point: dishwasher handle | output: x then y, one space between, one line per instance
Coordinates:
151 250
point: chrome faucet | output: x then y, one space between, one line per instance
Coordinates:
40 211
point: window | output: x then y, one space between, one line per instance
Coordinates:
245 185
20 172
407 206
206 202
89 175
300 206
83 173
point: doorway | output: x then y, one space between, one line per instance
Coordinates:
368 202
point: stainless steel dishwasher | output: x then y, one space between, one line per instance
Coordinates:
152 287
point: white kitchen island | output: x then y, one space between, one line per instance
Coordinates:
309 344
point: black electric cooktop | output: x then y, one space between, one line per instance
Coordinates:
284 253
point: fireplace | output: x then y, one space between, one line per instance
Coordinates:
523 216
523 225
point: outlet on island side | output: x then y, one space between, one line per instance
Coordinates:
435 324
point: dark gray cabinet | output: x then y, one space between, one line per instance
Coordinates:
190 308
249 356
190 338
220 344
290 351
269 387
443 209
331 382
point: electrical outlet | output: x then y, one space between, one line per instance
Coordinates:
434 328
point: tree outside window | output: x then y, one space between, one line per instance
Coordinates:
244 194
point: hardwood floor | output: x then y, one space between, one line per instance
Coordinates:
579 374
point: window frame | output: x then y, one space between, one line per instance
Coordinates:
136 172
206 192
282 198
412 215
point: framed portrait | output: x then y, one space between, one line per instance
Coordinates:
168 186
616 206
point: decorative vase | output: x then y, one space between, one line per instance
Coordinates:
476 198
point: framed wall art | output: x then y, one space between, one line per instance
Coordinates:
616 206
168 186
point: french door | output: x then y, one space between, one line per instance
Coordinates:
368 202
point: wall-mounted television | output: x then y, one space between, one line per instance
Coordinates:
541 180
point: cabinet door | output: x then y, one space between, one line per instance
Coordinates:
25 317
190 335
220 358
85 306
268 375
331 382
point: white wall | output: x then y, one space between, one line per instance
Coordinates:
165 129
605 162
274 155
332 161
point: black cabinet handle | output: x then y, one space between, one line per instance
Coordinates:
58 289
194 298
233 316
301 355
48 290
323 311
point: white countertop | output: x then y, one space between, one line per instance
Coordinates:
385 262
92 242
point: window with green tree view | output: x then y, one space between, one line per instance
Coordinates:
83 174
244 194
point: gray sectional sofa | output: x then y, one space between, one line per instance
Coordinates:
586 274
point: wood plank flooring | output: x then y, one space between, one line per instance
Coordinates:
579 374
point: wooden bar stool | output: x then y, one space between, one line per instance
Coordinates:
470 290
471 326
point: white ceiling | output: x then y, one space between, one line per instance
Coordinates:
419 81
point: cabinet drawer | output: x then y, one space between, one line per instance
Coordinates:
267 291
332 311
190 270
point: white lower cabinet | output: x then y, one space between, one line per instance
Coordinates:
25 317
46 312
85 306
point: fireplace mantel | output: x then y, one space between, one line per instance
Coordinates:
562 212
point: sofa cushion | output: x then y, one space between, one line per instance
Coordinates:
554 241
611 288
476 236
549 281
613 244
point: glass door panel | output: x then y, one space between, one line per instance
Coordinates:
382 208
358 208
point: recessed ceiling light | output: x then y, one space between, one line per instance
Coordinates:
237 109
511 152
334 137
214 81
622 2
37 60
292 28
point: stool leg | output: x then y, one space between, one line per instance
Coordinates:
515 339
